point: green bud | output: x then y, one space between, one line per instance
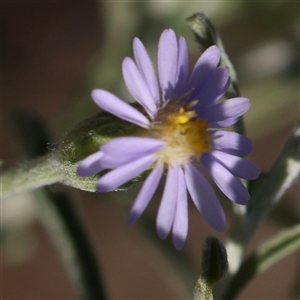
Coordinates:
214 267
214 260
203 29
85 139
206 35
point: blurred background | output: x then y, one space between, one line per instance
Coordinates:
54 54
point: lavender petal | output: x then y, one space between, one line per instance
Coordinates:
146 68
182 67
112 104
214 89
147 191
237 166
228 109
225 123
90 165
167 62
121 175
180 226
166 211
227 183
203 69
204 197
138 87
120 151
231 142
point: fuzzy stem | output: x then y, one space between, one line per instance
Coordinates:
202 291
29 176
267 191
270 189
264 257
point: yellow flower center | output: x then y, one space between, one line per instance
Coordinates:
187 136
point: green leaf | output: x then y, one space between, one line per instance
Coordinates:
264 257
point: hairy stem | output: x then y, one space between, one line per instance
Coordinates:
266 192
29 176
264 257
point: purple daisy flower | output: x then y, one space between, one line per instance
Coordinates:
183 134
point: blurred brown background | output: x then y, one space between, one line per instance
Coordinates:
54 53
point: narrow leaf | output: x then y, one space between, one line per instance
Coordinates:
264 257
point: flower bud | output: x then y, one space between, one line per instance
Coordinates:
214 267
214 260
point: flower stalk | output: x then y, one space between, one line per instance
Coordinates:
29 176
58 212
264 257
266 192
270 188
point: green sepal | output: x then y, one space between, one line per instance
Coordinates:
86 138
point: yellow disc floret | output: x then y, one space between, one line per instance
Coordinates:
187 136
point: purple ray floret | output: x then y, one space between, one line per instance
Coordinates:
180 132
